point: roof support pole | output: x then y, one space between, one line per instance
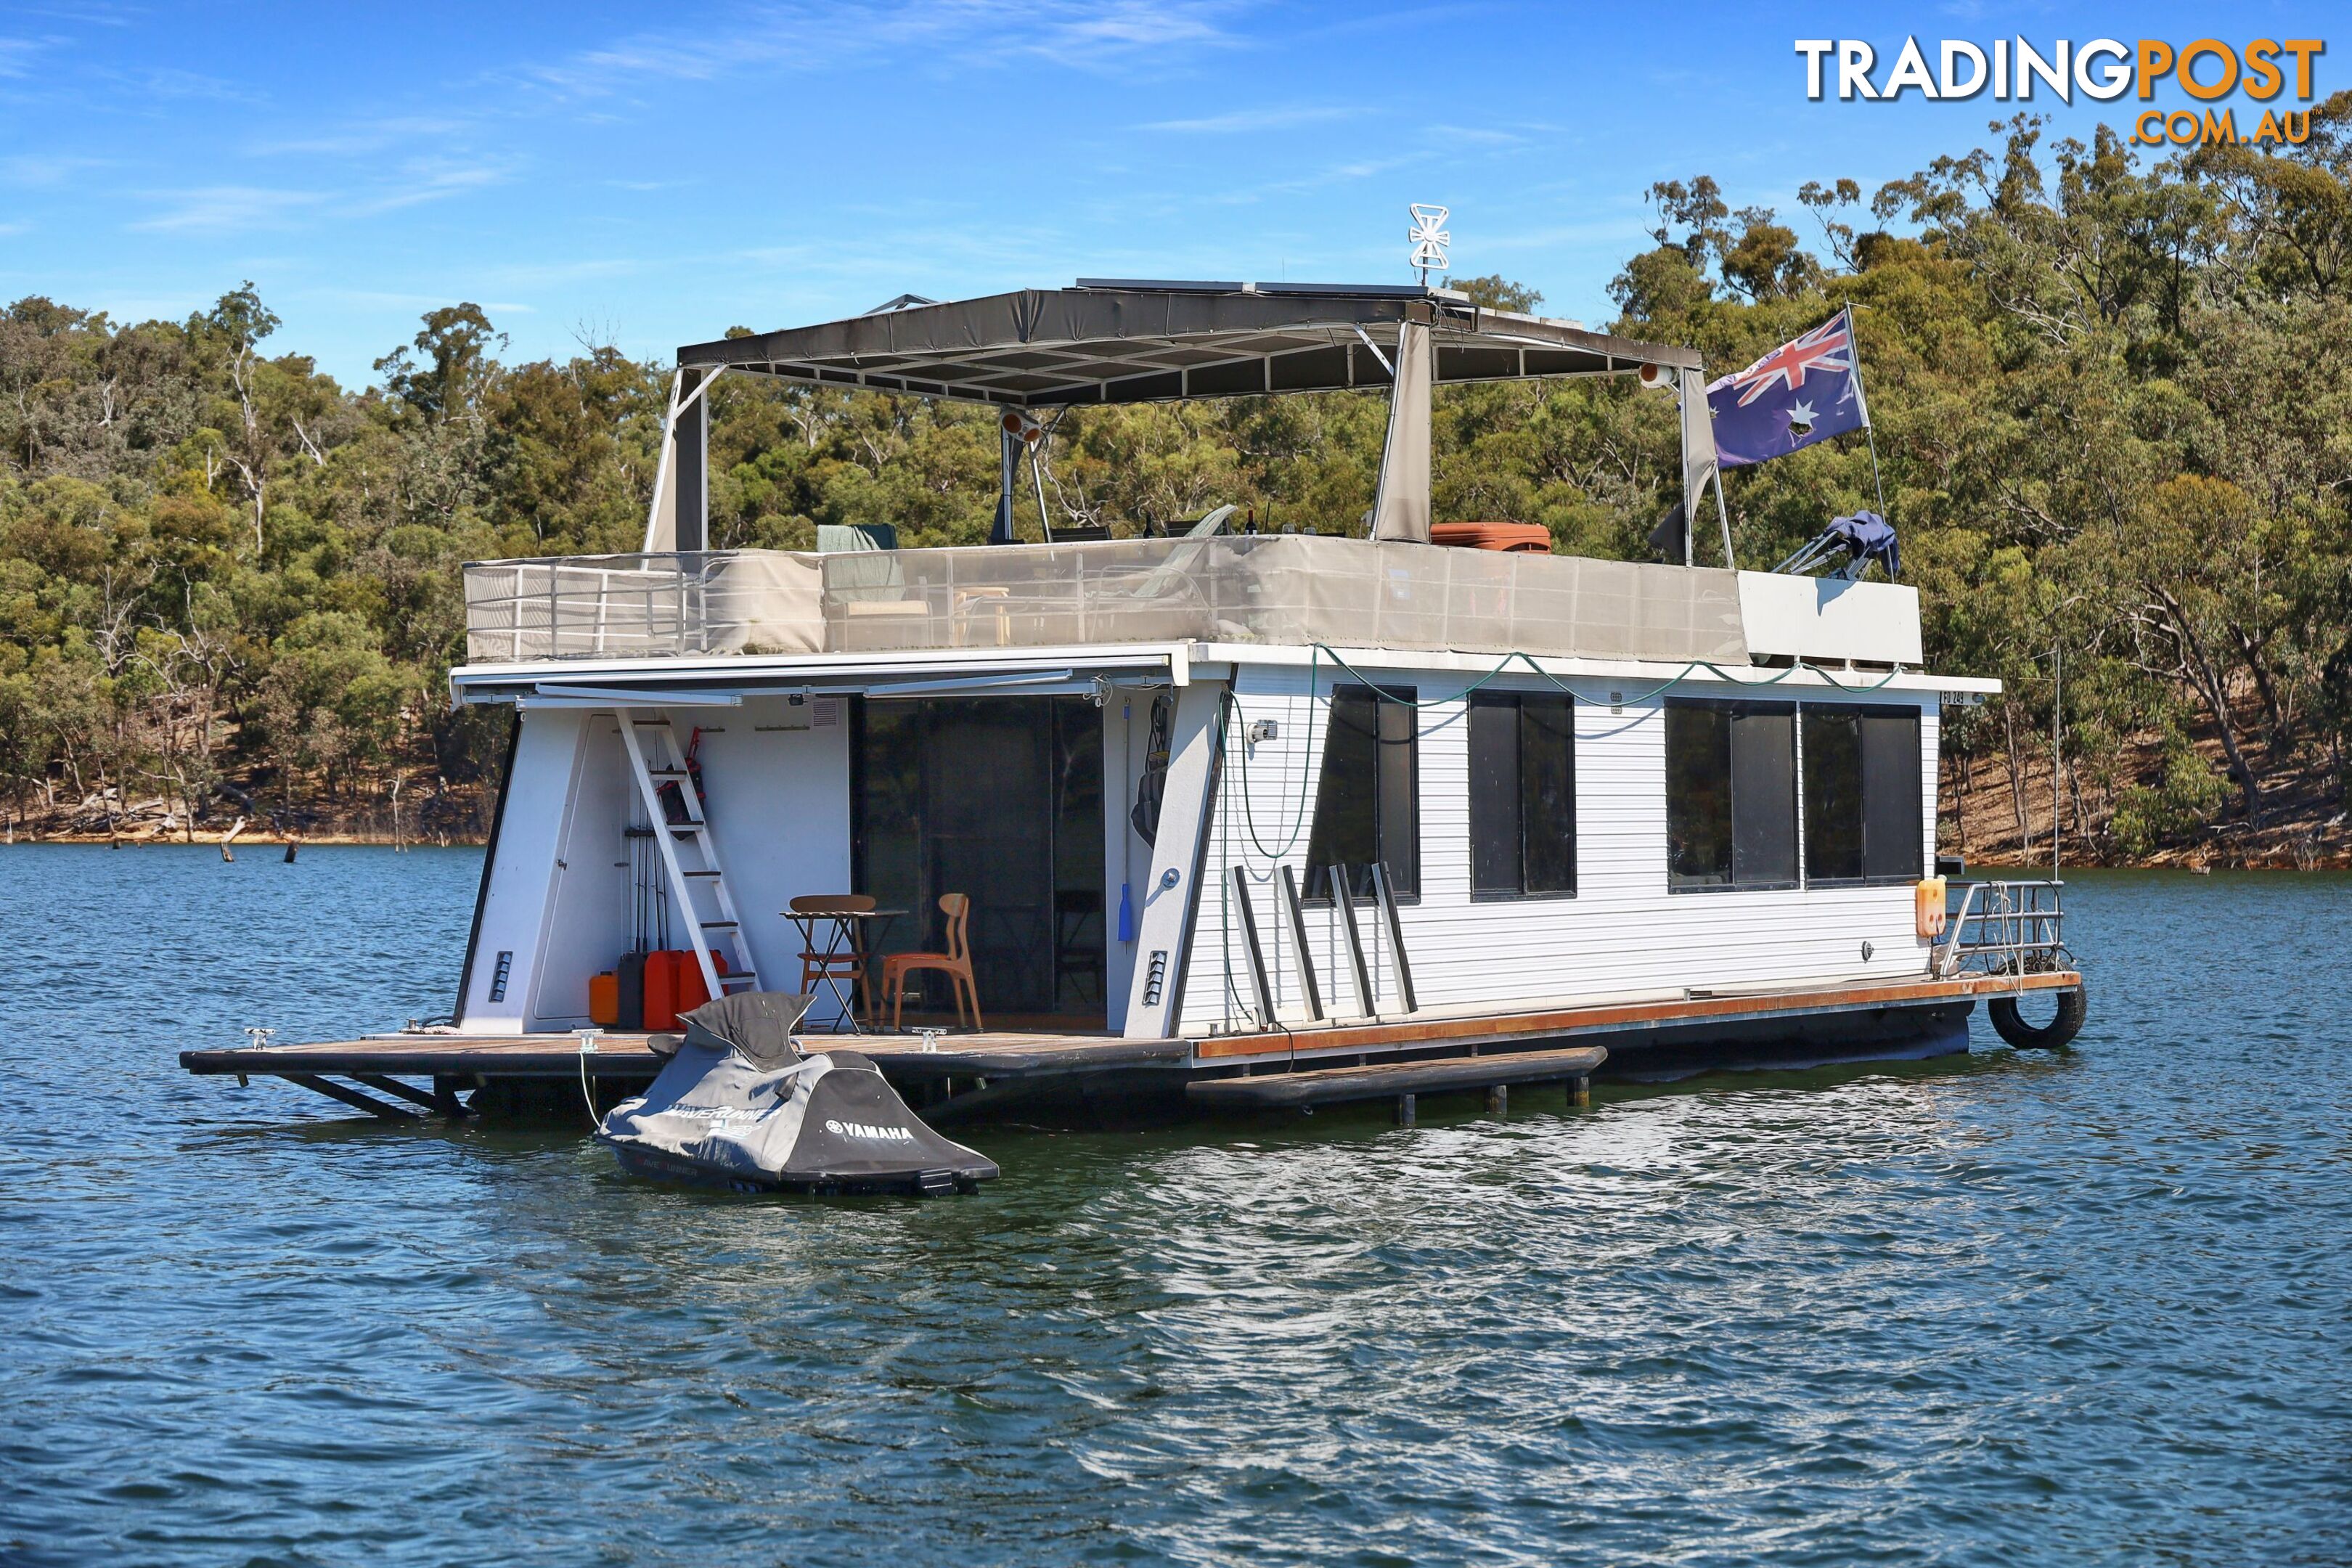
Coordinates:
661 517
1009 468
1699 463
690 432
1400 505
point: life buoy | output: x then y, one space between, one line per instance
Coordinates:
2060 1030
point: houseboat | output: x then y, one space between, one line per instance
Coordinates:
1205 818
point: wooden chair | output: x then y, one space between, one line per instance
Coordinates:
851 966
956 961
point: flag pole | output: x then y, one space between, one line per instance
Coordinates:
1854 337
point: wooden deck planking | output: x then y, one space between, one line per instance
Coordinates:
1475 1031
1384 1081
1009 1055
627 1056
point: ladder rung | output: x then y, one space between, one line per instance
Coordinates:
686 826
719 925
659 724
698 873
666 772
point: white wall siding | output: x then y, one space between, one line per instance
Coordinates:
587 925
1621 933
777 779
777 788
521 879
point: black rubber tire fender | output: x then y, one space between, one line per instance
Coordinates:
2010 1025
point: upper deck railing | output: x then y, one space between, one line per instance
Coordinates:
1290 589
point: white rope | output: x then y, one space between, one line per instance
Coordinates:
588 1038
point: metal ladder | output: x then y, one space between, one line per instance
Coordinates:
666 762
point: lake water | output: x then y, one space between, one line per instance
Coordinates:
2094 1307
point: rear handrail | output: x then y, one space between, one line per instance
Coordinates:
2005 928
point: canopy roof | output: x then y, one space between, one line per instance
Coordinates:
1125 340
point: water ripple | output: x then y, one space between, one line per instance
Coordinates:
2084 1309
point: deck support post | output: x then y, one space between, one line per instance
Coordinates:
1498 1099
1009 449
396 1089
1404 1111
444 1096
1261 984
351 1097
1580 1092
690 465
1384 894
1312 992
1343 902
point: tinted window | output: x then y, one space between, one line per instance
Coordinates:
1366 804
1894 836
1731 795
1833 794
1862 794
1522 793
1763 795
1698 794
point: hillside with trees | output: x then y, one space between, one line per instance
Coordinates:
2113 410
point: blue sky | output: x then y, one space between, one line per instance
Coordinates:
649 176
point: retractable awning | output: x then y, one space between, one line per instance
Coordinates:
1124 341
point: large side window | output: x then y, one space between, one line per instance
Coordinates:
1367 800
1894 831
1862 794
1731 795
1522 793
1833 794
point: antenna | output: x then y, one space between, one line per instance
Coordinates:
1428 239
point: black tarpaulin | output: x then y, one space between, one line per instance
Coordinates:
1128 342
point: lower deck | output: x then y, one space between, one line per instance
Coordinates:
1084 1076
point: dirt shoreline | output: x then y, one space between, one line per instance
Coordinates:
248 841
2182 860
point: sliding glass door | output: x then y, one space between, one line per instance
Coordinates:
1000 798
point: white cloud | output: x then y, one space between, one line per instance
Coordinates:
818 35
39 169
372 135
403 301
1244 121
229 209
16 55
1481 135
429 180
168 82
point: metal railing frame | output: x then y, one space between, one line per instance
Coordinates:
2004 929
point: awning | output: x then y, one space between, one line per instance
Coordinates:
1120 341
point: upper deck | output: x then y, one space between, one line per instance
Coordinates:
1274 590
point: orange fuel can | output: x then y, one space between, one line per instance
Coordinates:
605 998
1928 901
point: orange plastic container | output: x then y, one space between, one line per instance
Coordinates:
605 998
1928 907
674 985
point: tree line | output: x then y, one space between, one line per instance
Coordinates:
2109 399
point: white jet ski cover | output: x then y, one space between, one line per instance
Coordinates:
826 1119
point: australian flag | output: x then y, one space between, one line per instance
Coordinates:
1795 395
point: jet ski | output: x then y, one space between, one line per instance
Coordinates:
738 1105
